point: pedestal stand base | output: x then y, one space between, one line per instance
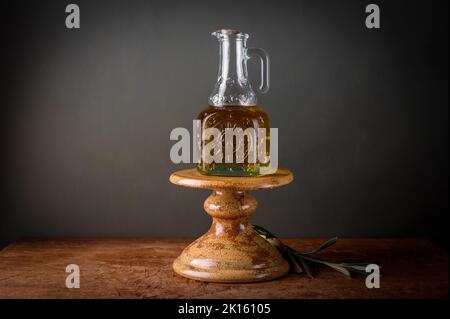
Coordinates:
230 251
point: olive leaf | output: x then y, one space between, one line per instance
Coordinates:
294 264
306 267
357 267
330 242
300 261
271 238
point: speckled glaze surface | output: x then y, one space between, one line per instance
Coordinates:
230 252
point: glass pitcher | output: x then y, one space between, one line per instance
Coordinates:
232 110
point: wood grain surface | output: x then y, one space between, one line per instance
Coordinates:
142 268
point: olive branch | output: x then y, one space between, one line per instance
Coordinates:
301 262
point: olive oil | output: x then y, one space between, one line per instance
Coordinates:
222 117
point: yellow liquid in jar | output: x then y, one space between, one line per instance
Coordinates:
222 117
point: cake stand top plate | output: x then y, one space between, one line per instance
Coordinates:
192 178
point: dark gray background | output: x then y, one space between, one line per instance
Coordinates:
86 116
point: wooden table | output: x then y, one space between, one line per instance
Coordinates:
142 268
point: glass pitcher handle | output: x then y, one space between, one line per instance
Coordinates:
265 67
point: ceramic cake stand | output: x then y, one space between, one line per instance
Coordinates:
230 251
